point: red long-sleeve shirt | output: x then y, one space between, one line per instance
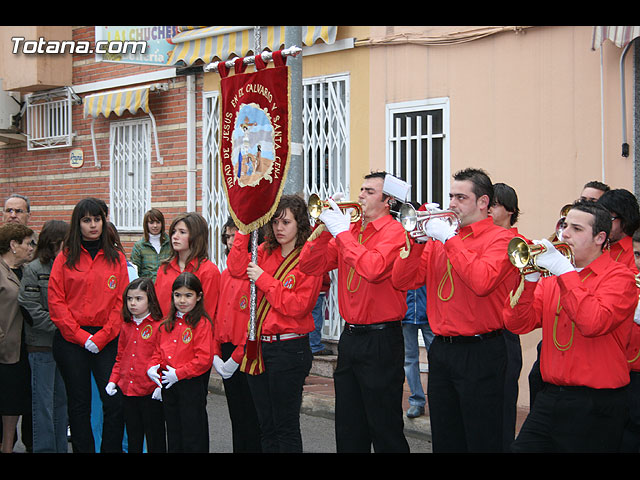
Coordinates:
136 345
587 344
364 260
88 295
622 251
232 316
187 349
465 278
207 273
292 299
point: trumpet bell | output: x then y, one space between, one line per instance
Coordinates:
523 255
316 206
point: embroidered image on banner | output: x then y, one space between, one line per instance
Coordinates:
254 139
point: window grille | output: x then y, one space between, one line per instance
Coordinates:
49 119
326 165
418 148
130 173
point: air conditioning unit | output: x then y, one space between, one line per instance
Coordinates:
10 107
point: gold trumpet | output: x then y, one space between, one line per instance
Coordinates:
523 256
415 221
316 206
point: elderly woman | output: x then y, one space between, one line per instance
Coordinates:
16 248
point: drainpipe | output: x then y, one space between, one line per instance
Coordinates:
191 143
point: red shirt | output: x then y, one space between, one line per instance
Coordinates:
187 349
207 273
88 295
622 251
364 260
136 344
587 345
232 316
467 278
292 299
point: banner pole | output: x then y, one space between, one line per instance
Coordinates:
293 51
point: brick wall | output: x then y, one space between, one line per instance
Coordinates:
54 187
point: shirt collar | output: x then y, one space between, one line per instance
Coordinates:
477 227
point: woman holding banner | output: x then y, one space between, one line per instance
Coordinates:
285 299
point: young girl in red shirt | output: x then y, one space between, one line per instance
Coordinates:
181 364
142 409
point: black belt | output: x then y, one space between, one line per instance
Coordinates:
363 328
469 339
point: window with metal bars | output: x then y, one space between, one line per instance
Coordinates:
418 148
130 173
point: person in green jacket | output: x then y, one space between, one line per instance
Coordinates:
149 252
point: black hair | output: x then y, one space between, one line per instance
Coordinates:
624 204
192 282
146 285
481 182
73 240
506 196
601 217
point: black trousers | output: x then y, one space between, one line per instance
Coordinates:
185 413
369 381
631 437
574 420
76 365
245 429
144 418
466 395
277 393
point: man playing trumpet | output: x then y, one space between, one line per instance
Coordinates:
585 312
464 271
369 376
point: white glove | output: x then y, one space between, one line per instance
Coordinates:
440 229
532 277
153 375
225 369
338 196
157 394
335 221
92 347
169 376
553 260
111 389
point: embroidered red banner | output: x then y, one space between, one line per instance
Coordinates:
254 139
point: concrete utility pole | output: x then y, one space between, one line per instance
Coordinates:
294 184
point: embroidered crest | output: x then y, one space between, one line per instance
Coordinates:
289 281
112 282
243 302
146 332
187 335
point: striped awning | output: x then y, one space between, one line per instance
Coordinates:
223 42
117 101
620 36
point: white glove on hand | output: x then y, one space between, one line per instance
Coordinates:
337 197
335 221
111 389
92 347
225 369
440 229
169 376
157 394
153 375
532 277
553 260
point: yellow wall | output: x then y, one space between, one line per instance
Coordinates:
525 107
